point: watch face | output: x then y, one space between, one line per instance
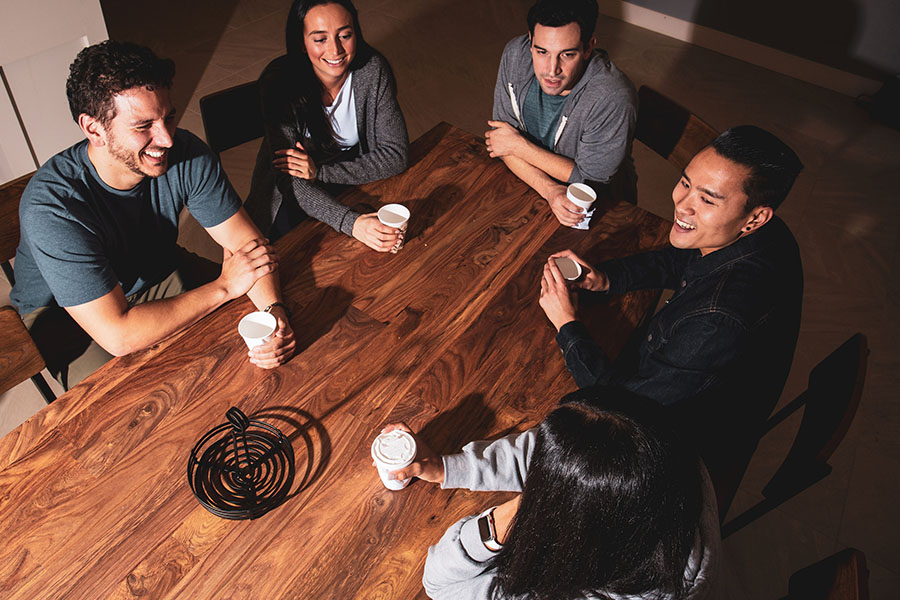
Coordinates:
484 529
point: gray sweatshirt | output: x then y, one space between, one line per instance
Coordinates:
597 123
383 147
455 568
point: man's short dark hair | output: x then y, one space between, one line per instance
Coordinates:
556 13
773 165
103 70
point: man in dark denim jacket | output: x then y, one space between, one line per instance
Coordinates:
721 348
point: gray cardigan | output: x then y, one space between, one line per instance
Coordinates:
455 568
383 147
598 119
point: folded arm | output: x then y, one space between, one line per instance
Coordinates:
249 267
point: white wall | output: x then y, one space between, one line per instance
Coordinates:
859 36
38 41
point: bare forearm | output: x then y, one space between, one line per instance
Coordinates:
555 165
145 324
265 291
536 179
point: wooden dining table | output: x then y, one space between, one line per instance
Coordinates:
446 335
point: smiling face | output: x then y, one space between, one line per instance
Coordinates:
711 205
136 142
559 57
330 42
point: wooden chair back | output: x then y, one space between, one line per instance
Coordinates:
232 117
19 357
831 401
841 576
669 129
10 193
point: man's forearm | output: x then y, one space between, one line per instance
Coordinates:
536 179
555 165
265 291
120 329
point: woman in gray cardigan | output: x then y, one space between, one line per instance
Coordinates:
612 507
331 119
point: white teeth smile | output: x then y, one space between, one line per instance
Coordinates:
334 62
157 154
684 225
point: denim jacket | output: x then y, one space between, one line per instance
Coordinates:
729 329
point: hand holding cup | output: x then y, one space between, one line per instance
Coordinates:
396 216
427 465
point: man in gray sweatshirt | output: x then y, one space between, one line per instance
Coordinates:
563 113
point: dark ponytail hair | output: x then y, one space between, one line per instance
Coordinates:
611 504
304 86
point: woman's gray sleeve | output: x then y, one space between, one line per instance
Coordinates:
499 465
455 568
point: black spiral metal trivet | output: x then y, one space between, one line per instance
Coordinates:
241 469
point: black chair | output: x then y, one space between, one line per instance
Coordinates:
19 357
232 117
831 400
669 129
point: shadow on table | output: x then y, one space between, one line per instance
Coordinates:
471 419
297 424
425 211
316 318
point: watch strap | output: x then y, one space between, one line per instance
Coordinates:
287 311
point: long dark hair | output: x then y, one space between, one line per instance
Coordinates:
611 504
304 85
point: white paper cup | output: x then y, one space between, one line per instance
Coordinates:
582 196
396 216
257 328
569 268
391 451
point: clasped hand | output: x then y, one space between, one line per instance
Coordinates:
295 162
242 268
503 139
557 298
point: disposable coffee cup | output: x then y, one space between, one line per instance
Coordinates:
569 268
257 328
582 196
391 451
396 216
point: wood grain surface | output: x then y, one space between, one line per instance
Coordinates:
19 357
447 335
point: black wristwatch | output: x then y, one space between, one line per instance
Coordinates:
488 530
287 311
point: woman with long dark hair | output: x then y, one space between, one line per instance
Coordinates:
331 119
613 506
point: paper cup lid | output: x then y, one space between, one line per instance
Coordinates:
395 449
393 215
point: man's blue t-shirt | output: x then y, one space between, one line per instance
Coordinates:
541 114
80 238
